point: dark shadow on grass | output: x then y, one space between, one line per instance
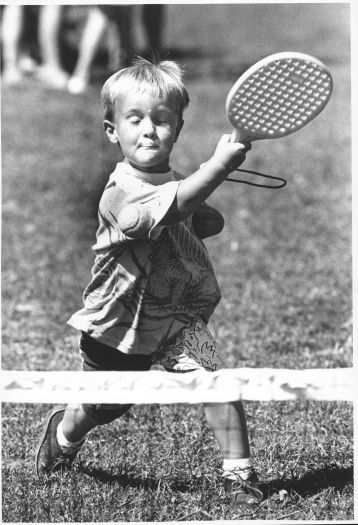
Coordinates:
312 482
149 483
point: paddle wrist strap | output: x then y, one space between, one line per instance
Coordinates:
282 182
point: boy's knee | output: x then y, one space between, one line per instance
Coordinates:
102 414
78 415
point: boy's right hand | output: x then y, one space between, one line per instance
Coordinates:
230 154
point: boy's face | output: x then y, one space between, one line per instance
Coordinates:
146 128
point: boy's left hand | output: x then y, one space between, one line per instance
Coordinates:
207 221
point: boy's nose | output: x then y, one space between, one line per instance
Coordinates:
148 127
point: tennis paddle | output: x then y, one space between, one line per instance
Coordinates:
276 97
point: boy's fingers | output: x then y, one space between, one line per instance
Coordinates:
225 139
244 146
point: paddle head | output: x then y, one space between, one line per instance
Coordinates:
278 96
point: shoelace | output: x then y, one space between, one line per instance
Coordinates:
245 486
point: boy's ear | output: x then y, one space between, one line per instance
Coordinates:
111 131
179 128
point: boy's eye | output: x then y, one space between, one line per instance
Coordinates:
134 120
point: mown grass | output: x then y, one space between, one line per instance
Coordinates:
283 261
161 464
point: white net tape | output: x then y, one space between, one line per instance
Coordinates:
262 384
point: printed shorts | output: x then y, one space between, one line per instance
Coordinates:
193 348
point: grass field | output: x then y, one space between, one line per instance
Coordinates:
283 263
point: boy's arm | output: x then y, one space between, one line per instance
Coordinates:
196 188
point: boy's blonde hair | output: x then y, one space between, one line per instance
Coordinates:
163 79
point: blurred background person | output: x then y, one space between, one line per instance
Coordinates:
19 33
153 19
119 20
16 53
51 70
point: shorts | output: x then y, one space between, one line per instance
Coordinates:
193 348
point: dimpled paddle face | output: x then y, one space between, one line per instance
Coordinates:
278 96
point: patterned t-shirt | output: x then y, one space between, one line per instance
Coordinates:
145 289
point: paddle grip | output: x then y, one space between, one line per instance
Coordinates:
235 136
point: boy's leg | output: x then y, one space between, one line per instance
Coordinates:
194 348
228 423
54 451
66 427
64 434
76 423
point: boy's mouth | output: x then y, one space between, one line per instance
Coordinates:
148 145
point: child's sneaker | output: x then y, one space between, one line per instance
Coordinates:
244 493
50 457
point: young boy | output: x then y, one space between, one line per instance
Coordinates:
153 288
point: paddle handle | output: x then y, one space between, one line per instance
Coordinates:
236 136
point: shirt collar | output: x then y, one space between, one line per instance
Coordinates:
155 179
